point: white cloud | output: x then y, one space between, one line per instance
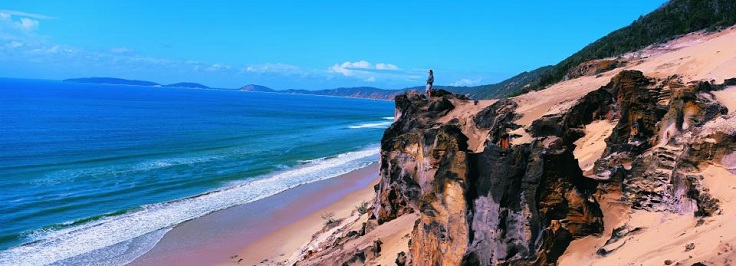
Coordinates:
360 64
143 59
7 13
26 24
14 44
466 82
340 69
15 24
121 50
385 66
371 79
47 50
349 68
362 68
217 67
278 68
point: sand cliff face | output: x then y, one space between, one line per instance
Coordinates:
505 204
525 203
640 151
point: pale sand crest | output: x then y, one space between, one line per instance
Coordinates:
591 146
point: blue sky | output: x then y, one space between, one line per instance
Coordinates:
300 44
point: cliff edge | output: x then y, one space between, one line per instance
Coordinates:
631 163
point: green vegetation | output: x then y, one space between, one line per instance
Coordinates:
362 208
329 218
672 20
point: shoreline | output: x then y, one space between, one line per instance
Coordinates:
273 227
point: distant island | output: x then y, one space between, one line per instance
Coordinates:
188 85
353 92
258 88
119 81
115 81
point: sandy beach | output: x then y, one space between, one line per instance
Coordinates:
274 227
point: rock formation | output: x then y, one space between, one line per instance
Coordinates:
523 204
520 204
649 137
592 67
498 182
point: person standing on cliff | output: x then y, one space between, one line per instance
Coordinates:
430 80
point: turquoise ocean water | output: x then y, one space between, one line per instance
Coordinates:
97 174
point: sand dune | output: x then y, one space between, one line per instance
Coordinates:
670 237
665 238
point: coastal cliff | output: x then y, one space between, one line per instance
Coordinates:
640 151
523 204
504 204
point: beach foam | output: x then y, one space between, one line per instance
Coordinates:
64 176
120 253
121 238
372 125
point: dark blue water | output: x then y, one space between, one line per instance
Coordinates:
87 167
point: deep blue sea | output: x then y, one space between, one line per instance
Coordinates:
104 171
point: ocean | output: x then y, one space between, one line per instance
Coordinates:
98 174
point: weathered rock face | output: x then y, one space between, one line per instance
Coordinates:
592 67
498 118
526 193
415 111
524 204
729 82
650 138
570 126
411 151
519 205
717 146
638 113
441 234
424 168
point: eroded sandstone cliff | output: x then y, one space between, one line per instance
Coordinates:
523 204
519 204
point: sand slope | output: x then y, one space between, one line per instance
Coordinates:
664 238
670 237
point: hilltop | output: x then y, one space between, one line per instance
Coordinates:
188 85
115 81
144 83
353 92
258 88
672 20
